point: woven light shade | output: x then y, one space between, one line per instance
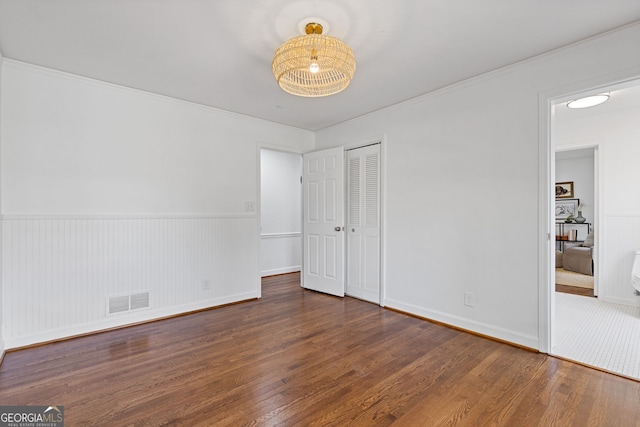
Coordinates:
314 65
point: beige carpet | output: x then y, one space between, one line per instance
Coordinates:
569 278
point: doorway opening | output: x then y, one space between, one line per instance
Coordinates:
576 219
280 212
600 331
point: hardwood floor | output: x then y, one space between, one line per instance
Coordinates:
300 358
575 290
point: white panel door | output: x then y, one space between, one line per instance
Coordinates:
363 223
323 221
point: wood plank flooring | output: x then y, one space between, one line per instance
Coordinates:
300 358
575 290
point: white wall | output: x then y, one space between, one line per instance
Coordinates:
462 179
107 190
619 135
579 170
280 212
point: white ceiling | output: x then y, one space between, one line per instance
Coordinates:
219 52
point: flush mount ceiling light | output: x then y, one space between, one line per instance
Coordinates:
313 64
588 101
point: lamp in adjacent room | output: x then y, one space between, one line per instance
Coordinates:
588 101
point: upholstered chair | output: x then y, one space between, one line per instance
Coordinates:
579 257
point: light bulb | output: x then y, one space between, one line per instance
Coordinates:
589 101
314 67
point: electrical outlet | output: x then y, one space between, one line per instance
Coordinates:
469 299
205 284
249 207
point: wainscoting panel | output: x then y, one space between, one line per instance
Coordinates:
622 234
59 273
281 253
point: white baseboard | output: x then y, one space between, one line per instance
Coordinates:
502 334
284 270
620 301
125 319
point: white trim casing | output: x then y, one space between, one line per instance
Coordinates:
546 165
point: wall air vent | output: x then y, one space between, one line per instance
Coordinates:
118 304
123 303
139 301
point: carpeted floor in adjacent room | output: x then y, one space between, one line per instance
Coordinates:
570 278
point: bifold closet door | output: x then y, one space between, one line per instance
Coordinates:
363 223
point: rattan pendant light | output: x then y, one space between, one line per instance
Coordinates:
313 64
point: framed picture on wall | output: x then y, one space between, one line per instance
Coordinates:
566 207
564 190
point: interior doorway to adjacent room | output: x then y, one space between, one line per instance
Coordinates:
600 331
280 212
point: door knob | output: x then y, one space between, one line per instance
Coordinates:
338 228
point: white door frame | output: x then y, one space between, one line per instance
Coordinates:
598 190
546 174
274 147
